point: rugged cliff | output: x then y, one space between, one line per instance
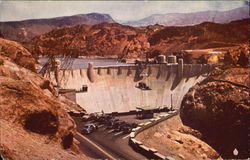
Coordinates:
219 109
172 138
34 121
17 53
125 41
204 35
98 40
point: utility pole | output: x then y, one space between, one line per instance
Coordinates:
171 108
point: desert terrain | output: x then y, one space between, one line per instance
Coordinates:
213 115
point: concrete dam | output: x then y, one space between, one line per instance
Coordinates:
117 88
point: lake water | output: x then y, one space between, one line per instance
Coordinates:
77 63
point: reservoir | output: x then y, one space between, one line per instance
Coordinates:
78 63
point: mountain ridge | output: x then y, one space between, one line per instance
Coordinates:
193 18
23 31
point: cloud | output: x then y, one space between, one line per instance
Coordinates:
119 10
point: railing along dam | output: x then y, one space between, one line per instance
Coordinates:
115 89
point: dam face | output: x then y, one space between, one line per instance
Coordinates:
115 89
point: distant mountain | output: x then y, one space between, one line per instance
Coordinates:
184 19
25 30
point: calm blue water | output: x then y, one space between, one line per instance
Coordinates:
76 63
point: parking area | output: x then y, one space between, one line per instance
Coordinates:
112 125
113 140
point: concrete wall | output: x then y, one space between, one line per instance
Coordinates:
138 146
113 88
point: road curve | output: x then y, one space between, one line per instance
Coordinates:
106 144
96 150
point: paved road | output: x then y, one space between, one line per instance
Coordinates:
88 149
114 144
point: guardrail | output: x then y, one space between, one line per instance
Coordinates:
139 147
133 112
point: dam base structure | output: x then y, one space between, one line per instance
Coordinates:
118 88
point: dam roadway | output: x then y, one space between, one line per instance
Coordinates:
105 144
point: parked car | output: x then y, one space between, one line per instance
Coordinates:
145 114
117 125
95 116
89 128
134 125
126 128
104 119
76 113
86 117
111 122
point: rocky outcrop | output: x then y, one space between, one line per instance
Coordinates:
237 56
125 41
205 35
236 75
17 53
98 40
171 138
34 124
219 109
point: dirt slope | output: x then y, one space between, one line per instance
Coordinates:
220 111
32 117
34 122
172 138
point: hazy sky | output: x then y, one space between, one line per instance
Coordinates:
119 10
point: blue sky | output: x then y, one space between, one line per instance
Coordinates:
119 10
